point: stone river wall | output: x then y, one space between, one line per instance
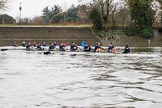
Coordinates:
48 34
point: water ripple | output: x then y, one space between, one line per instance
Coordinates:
86 80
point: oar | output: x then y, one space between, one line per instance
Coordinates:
47 52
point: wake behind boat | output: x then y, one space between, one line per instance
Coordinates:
44 48
4 48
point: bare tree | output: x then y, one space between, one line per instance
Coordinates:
3 4
105 7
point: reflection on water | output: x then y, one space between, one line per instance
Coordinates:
32 80
143 50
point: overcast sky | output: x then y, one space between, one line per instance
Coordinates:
31 8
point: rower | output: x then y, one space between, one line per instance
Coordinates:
73 47
39 46
54 44
98 47
34 44
23 43
51 47
44 44
111 48
87 48
126 49
28 46
14 44
64 43
62 47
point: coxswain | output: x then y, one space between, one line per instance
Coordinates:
126 49
83 44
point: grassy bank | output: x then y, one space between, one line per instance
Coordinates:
51 25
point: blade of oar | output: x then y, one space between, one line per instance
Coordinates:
46 53
73 54
4 49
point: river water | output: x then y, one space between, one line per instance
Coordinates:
64 80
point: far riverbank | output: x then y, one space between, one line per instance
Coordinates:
133 41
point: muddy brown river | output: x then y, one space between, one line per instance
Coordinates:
89 80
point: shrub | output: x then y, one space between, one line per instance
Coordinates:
147 32
130 31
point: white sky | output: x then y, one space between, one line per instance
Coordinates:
31 8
